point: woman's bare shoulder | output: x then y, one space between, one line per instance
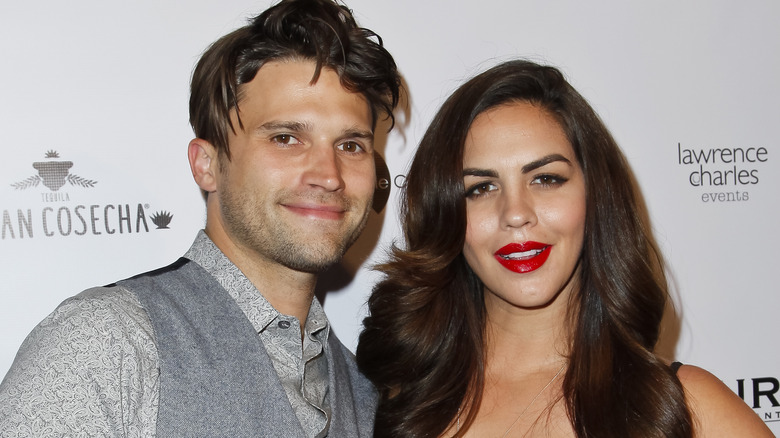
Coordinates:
717 410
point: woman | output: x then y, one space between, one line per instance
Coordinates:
528 297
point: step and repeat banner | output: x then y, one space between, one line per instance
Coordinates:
95 185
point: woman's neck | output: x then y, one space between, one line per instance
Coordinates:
526 340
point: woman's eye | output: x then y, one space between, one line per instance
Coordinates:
549 180
351 147
480 190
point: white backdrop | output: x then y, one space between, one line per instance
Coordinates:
105 86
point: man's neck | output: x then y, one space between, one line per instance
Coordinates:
287 290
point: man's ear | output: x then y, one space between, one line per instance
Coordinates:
203 163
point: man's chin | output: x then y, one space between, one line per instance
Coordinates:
311 265
312 258
318 251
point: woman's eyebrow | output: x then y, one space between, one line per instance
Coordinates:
480 172
533 165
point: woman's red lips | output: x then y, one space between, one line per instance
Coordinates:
523 257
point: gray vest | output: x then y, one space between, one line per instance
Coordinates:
216 378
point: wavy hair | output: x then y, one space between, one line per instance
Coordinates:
423 342
318 30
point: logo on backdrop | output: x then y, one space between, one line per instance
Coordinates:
761 394
54 174
58 217
723 174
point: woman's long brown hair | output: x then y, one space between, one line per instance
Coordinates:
423 341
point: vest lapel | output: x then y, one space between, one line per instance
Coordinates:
352 397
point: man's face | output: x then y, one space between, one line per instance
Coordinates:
299 184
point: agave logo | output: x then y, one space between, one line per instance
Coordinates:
58 217
162 219
54 174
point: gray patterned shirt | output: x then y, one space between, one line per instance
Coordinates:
91 367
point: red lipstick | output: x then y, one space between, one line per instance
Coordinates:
523 257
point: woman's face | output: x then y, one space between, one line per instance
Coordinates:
525 206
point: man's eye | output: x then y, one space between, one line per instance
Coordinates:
350 146
285 139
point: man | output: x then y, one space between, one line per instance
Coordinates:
229 340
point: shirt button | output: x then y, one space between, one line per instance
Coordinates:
284 324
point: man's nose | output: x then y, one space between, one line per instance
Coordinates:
323 168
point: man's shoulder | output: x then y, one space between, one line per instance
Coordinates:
99 313
102 305
83 366
115 301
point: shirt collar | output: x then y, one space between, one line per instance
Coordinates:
251 301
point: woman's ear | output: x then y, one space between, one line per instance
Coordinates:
203 162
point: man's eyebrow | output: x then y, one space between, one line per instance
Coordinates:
281 125
292 126
358 133
533 165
